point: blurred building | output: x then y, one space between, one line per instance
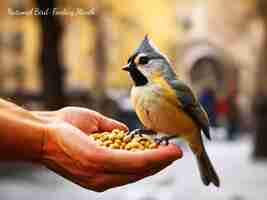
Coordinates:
210 48
121 23
220 50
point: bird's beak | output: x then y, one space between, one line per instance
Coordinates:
126 67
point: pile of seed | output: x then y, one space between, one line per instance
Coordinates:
118 139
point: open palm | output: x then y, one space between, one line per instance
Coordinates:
68 151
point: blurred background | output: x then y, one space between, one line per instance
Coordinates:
74 57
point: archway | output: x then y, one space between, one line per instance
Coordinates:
215 79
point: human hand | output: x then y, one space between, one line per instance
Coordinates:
68 151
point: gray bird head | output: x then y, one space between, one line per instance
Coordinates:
148 47
147 62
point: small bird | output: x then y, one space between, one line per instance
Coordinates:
165 104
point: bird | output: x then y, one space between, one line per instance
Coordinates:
166 104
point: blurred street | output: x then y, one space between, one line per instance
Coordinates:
57 54
241 179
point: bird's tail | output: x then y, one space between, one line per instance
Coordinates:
207 171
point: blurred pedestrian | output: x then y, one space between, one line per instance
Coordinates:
233 118
208 101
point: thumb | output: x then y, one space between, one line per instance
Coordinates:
107 124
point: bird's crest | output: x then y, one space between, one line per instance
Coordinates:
147 46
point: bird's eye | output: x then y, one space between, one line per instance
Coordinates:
143 60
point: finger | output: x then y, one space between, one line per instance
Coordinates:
119 161
45 113
107 124
106 181
102 181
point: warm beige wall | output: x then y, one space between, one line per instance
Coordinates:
232 33
28 26
159 23
232 26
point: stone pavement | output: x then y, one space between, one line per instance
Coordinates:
241 179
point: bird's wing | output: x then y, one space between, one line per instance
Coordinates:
191 105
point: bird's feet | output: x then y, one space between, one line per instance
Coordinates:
141 131
164 139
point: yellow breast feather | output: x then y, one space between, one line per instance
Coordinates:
169 93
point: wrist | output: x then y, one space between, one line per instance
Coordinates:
22 136
32 147
36 139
